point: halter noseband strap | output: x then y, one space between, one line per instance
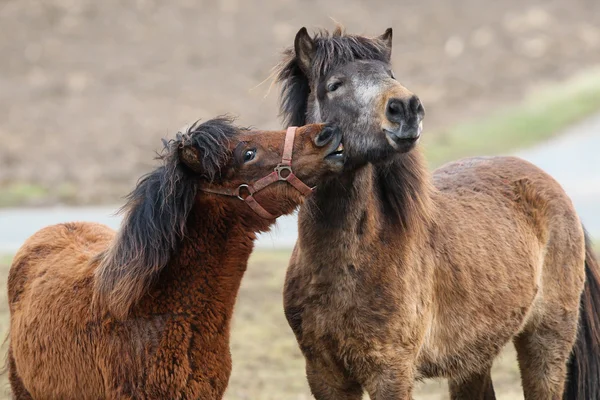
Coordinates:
282 172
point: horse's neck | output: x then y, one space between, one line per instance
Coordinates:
208 267
342 205
371 205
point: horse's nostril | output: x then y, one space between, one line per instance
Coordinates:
395 110
395 107
324 136
416 106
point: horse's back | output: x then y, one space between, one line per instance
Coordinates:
49 291
515 190
489 174
56 252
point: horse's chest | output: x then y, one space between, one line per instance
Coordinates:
339 340
322 300
333 320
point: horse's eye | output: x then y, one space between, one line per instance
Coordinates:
249 155
333 86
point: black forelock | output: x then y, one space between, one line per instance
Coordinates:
210 139
331 50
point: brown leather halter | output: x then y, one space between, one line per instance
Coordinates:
282 172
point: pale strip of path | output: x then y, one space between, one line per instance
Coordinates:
572 158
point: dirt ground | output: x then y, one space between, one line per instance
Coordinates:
87 87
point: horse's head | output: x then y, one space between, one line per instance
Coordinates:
233 172
347 80
271 171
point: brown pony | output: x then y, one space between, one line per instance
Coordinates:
145 313
398 275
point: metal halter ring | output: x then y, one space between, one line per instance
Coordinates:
280 168
239 194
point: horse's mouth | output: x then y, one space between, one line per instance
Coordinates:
337 154
402 141
404 137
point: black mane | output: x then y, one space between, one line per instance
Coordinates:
331 50
404 187
156 214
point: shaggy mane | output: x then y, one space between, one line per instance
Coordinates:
331 50
405 189
156 214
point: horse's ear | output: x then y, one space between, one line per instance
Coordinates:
190 157
203 148
386 38
304 46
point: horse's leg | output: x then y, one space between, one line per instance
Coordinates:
16 384
395 383
543 352
476 387
326 390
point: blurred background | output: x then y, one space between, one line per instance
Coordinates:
88 88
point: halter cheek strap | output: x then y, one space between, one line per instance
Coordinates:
282 172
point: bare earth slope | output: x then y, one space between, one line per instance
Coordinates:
88 87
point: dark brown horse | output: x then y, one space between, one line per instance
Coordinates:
145 313
398 275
